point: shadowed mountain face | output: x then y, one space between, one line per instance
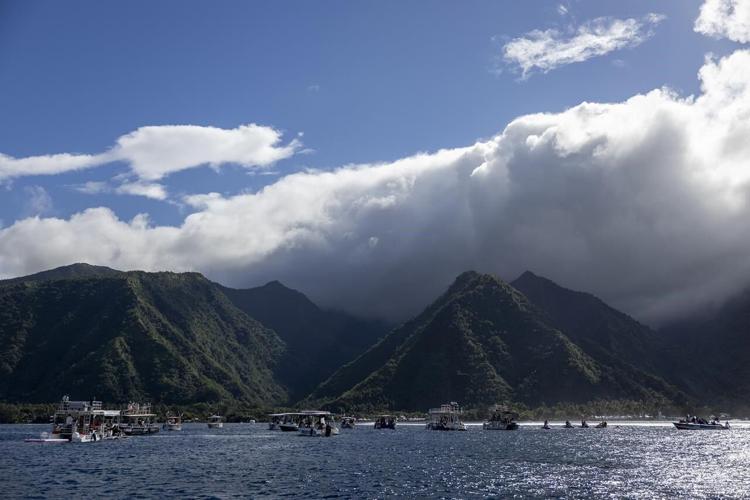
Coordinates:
711 355
480 342
120 336
318 341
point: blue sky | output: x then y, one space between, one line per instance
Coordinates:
619 189
364 82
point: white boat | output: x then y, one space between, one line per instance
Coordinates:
317 423
348 422
385 422
501 419
173 423
137 420
80 422
287 422
446 418
215 422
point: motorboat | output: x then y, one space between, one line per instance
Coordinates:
446 418
385 422
348 422
173 423
215 422
138 420
700 424
287 422
317 423
501 419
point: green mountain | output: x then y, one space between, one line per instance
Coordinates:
90 331
484 341
318 341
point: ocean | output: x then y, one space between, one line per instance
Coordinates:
626 460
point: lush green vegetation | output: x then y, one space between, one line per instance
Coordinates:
484 341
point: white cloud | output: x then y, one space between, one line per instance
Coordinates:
157 151
549 49
644 202
725 19
148 189
92 187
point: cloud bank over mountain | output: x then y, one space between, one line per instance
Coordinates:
644 202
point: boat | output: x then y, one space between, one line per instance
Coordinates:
348 422
274 420
215 422
287 422
79 422
501 419
584 425
385 422
601 425
137 420
446 418
568 425
701 424
317 423
173 423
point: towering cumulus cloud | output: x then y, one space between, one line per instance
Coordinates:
725 19
644 202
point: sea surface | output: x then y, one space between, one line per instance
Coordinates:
626 460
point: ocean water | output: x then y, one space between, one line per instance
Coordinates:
247 460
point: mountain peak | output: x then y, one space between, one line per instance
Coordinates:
71 271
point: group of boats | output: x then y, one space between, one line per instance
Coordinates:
88 421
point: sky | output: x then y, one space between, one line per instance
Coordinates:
367 153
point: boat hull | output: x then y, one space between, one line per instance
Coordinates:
216 425
689 426
500 426
446 427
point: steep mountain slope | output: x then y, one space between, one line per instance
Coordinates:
599 329
481 342
710 355
318 341
119 336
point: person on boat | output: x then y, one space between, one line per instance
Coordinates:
568 425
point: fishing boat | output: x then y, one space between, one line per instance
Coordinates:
137 420
215 422
317 423
385 422
348 422
501 419
74 421
173 423
446 418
